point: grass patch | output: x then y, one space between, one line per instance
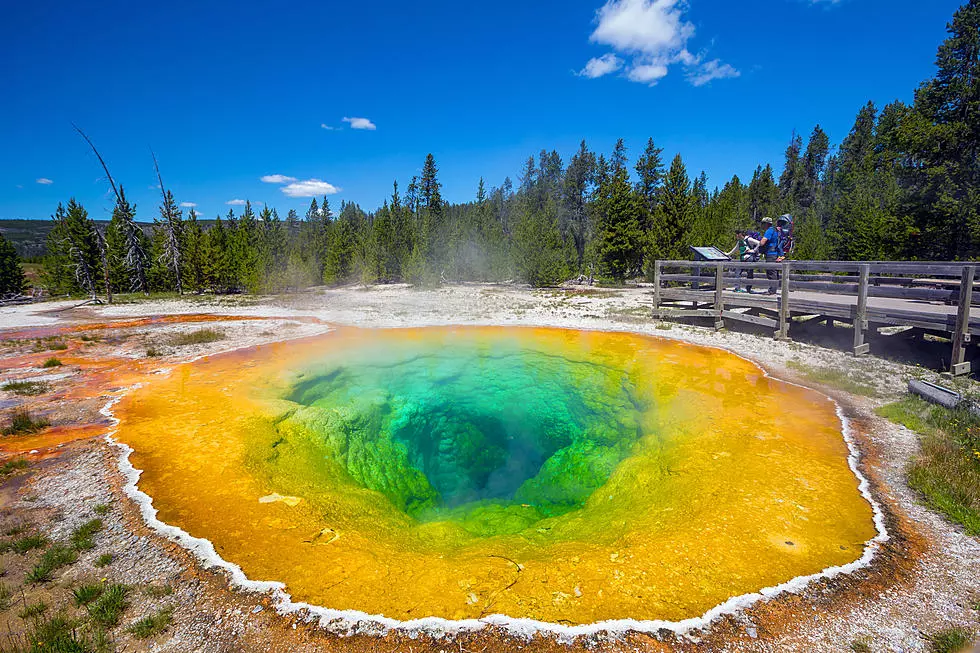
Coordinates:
56 557
152 624
860 646
81 538
198 337
26 388
22 422
11 466
848 381
28 543
108 608
6 594
85 594
102 509
33 610
55 635
950 640
52 362
947 470
153 352
104 560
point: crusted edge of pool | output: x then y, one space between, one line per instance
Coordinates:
349 621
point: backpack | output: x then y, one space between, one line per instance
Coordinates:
787 243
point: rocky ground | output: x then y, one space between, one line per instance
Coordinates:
926 578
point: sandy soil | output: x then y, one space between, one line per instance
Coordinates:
926 578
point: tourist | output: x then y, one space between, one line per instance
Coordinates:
769 248
745 250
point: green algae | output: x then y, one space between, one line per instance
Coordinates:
492 440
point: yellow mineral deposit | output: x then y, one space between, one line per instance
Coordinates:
564 476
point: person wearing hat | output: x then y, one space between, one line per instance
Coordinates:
769 248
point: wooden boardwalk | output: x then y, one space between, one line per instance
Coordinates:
923 296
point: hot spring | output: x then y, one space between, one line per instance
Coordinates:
563 476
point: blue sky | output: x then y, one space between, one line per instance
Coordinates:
227 93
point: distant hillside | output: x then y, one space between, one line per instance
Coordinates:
29 236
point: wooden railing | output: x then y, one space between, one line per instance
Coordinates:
922 290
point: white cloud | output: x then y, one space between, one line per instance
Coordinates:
599 66
188 205
647 73
44 181
309 188
20 185
651 27
361 123
277 179
324 125
654 35
235 202
709 71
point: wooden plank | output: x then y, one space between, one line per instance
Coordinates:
657 269
691 312
861 312
960 336
783 333
753 319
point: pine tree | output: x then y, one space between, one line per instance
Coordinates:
620 246
675 217
763 194
943 144
244 247
82 248
194 252
576 189
792 178
170 245
115 243
12 279
650 168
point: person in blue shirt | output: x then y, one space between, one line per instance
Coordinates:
770 249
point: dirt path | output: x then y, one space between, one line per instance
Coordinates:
927 578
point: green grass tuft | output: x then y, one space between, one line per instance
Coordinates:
153 352
152 624
52 362
199 337
947 469
108 608
6 594
27 388
102 509
33 610
81 538
11 466
104 560
22 422
28 543
56 557
85 594
951 640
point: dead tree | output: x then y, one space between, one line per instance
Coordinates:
99 238
171 255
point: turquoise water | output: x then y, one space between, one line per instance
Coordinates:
494 439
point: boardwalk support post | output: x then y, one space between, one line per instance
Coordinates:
719 300
783 332
961 336
657 270
861 312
